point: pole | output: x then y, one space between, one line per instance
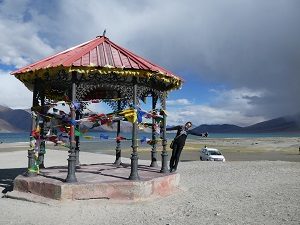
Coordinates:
118 146
134 156
77 140
164 154
153 150
30 153
71 177
42 144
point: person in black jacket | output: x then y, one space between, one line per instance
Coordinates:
178 144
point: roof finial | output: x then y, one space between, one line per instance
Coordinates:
104 32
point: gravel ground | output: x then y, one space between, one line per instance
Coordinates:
256 192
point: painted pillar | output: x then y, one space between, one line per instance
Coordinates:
153 150
164 154
118 146
31 160
42 150
134 156
77 140
71 177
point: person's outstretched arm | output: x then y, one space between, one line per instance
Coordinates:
173 128
193 133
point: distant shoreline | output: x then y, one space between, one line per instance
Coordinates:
24 136
234 149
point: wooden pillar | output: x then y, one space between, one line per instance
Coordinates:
134 156
164 154
153 150
71 177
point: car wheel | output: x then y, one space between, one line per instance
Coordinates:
201 158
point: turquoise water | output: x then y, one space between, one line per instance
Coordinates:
14 137
24 136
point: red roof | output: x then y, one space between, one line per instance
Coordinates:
99 52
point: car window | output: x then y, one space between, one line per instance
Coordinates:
215 153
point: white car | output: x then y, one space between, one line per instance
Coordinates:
211 154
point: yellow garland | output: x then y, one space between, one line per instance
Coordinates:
52 72
170 82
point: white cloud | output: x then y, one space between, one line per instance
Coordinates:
20 43
201 114
181 101
228 107
236 99
13 93
98 107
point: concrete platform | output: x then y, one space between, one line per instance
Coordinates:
99 181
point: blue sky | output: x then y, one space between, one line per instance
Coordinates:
239 59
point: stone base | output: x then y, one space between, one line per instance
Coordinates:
99 181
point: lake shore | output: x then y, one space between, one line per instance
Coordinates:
234 149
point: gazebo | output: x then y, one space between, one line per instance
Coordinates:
97 70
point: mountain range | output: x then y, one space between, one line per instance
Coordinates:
18 120
14 120
281 124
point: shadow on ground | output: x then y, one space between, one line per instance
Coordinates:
7 177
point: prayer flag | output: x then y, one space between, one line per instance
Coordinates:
120 138
89 137
103 136
77 132
145 140
130 115
75 105
73 122
140 115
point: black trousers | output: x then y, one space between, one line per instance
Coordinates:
177 149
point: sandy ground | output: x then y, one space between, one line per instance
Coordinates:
234 192
234 149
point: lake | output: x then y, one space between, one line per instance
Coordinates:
24 136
